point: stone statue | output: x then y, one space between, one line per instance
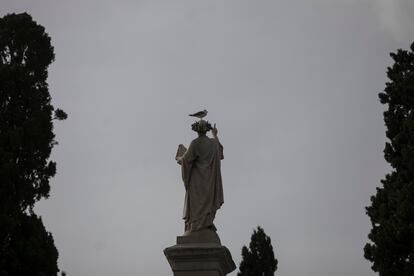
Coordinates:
199 251
200 166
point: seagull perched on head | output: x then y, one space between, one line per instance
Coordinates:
200 114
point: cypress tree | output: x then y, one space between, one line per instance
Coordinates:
26 141
259 258
391 212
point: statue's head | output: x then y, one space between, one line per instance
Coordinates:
201 127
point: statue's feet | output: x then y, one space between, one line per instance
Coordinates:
202 236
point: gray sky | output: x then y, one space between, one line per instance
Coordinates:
292 86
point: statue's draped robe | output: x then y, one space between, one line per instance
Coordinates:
202 179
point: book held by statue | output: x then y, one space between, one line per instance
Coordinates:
180 151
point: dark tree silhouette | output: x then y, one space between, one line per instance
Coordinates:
259 258
392 208
31 250
26 141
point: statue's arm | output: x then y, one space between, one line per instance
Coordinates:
221 150
214 131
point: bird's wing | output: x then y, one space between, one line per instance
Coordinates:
197 114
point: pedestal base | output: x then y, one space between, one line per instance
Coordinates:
200 254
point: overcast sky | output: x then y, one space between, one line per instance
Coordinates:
292 86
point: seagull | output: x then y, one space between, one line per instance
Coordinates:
200 114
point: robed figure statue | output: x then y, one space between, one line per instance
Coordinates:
201 174
199 250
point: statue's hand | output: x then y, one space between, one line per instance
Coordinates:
214 131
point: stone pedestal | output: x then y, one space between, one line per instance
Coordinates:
199 254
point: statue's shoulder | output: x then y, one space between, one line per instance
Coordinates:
199 141
195 141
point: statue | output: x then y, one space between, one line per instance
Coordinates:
199 251
200 166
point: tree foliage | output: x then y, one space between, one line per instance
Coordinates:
259 258
30 250
392 208
26 141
